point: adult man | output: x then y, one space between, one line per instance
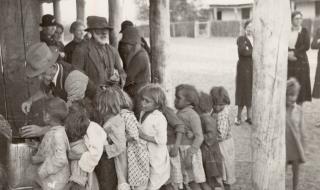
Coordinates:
96 57
57 79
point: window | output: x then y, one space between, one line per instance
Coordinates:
219 15
317 3
245 13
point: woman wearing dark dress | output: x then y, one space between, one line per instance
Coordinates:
316 45
298 64
77 29
244 73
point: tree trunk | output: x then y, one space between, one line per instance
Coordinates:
271 21
115 19
57 10
81 4
18 30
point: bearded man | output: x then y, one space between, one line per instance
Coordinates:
96 57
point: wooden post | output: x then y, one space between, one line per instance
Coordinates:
271 23
115 19
81 4
57 10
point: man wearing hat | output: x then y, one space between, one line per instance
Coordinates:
96 57
126 24
48 25
136 63
57 79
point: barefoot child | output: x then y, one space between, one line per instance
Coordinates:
154 131
294 130
186 101
54 171
221 111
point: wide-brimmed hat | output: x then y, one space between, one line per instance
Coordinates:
48 20
39 58
97 22
125 24
131 36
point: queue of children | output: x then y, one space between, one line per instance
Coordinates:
190 149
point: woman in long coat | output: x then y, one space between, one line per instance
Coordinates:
316 45
298 64
244 73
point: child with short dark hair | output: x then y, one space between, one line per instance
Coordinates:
186 101
221 111
79 129
154 131
109 102
294 130
54 171
211 154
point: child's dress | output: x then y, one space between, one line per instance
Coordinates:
295 135
115 147
211 154
192 125
155 125
226 145
54 172
137 152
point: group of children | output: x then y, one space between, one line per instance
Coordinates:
191 149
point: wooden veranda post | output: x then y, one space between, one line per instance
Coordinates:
57 10
271 23
115 19
81 4
159 23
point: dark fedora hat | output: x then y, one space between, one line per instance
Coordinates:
97 22
131 36
48 20
125 24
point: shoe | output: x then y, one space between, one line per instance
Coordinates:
237 122
249 121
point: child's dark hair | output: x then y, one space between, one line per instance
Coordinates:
219 96
108 101
56 108
156 93
190 93
77 121
205 103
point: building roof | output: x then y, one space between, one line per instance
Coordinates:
226 2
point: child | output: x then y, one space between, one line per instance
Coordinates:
221 111
187 99
54 171
108 102
294 130
154 131
137 150
211 155
77 126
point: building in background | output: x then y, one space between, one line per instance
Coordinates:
309 8
226 10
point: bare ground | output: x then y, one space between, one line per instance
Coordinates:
211 62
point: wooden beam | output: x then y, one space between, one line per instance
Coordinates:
81 4
271 23
57 10
159 23
115 19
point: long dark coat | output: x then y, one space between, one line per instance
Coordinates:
300 69
244 72
316 86
86 58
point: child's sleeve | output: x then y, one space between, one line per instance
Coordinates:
195 124
118 139
173 120
59 160
94 140
160 126
131 124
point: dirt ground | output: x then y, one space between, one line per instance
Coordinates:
212 62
